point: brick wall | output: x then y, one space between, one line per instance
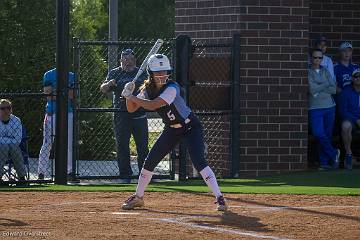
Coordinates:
338 20
274 39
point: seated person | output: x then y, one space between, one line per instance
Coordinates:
349 109
10 139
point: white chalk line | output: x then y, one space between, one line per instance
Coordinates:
125 213
79 202
218 229
257 208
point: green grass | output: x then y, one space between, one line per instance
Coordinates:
311 182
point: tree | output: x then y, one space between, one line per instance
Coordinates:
146 19
89 19
28 42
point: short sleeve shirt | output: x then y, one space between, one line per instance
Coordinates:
122 77
175 111
50 80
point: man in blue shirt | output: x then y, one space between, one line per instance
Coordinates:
50 83
126 123
344 68
349 109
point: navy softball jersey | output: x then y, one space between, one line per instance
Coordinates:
180 123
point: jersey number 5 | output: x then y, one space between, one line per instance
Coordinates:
171 116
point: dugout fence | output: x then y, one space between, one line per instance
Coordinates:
208 73
211 80
95 151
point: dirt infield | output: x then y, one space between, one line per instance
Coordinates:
87 215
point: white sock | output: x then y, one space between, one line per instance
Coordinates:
144 180
210 179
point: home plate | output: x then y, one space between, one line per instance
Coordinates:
125 213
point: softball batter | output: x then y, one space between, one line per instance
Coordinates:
163 95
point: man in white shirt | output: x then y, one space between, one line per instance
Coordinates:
10 138
321 43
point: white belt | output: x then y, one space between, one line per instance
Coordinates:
178 125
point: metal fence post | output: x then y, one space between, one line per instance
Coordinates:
235 106
62 66
113 33
183 53
173 153
76 105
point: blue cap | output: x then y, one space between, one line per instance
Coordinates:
345 45
127 52
356 71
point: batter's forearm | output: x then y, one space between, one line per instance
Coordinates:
148 104
131 106
105 88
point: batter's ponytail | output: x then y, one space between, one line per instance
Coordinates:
149 87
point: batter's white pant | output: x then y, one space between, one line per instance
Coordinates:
48 139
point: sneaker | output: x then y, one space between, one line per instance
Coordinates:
325 168
132 202
41 176
348 161
21 182
221 204
22 179
335 164
125 180
71 178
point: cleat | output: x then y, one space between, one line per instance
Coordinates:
133 202
221 204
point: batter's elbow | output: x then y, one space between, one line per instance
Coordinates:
131 110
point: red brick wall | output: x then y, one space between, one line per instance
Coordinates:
274 39
338 20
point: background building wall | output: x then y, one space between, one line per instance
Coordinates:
338 20
274 46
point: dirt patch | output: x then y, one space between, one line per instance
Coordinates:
88 215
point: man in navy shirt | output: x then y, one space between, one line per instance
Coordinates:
349 109
127 123
344 68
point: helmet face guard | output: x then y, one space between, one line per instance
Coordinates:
159 63
160 79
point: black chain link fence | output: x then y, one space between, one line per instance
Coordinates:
96 155
209 94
